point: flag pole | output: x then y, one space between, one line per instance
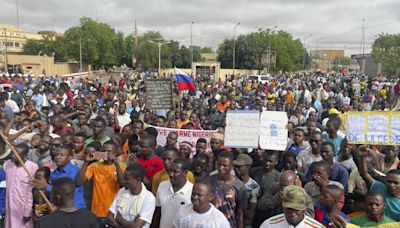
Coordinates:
26 169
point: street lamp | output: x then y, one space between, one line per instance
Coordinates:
234 46
269 48
159 43
304 53
80 53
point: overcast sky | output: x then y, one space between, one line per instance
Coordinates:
339 21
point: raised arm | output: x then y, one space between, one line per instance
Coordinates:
363 166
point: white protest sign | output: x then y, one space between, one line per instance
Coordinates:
395 130
356 128
273 130
184 135
242 129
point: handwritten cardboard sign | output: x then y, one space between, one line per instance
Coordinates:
159 93
242 129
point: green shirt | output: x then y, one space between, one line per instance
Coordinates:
102 141
363 221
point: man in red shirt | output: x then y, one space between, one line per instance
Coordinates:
151 162
59 125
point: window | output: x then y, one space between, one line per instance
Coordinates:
16 44
9 44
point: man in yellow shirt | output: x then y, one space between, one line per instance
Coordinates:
168 156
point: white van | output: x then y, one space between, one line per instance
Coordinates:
259 78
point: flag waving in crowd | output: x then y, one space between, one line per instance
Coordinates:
185 82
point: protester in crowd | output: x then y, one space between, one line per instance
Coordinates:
107 178
374 215
134 205
228 192
67 214
40 207
200 166
172 193
273 202
390 191
306 158
299 145
243 164
168 156
327 207
19 197
332 134
64 168
294 209
200 213
337 173
151 162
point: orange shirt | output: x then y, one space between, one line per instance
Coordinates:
222 107
181 123
289 98
105 187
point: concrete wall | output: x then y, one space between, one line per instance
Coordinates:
222 72
44 64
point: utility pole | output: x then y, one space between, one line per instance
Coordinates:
6 53
135 42
363 37
191 45
17 6
80 52
234 47
316 53
304 52
269 48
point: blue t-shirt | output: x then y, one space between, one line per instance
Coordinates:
70 171
336 142
392 208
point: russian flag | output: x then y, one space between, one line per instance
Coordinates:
184 81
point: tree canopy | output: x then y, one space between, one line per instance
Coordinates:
250 46
386 50
102 45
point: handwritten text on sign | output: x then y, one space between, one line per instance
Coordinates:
242 129
273 130
374 128
190 136
159 93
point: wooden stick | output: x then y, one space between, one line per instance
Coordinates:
26 169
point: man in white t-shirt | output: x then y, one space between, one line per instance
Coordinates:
172 194
134 205
201 213
122 116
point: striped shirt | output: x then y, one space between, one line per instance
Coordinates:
279 221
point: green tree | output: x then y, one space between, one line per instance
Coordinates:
250 46
386 50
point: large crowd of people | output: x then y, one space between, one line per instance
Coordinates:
84 153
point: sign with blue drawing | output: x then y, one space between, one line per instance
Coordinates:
273 130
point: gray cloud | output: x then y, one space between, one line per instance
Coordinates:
338 21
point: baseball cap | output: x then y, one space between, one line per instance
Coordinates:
217 135
294 197
243 159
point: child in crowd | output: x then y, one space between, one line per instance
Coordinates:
40 206
327 208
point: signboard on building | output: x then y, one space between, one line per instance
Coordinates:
268 59
159 93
